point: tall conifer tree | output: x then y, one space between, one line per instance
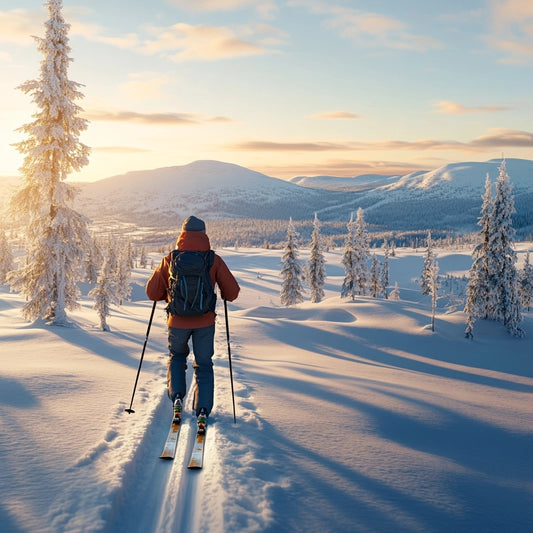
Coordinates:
57 236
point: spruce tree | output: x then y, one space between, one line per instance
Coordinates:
361 253
493 287
426 279
433 278
104 293
348 258
123 275
374 277
291 270
317 264
57 236
384 276
504 287
526 284
477 290
7 262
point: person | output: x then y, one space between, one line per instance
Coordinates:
201 330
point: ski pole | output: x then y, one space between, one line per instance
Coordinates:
130 410
229 358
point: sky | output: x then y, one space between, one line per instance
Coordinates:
287 88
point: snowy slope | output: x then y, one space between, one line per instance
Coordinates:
437 431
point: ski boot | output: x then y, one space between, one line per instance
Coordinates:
178 407
202 421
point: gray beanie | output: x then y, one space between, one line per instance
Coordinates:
193 224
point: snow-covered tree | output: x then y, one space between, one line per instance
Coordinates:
143 260
348 258
361 253
92 261
477 290
493 288
526 284
425 282
317 264
104 293
505 289
123 275
57 236
433 278
7 262
291 270
395 293
384 276
374 277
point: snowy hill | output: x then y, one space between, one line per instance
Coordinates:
210 189
351 416
445 198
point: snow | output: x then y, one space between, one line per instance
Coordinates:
351 416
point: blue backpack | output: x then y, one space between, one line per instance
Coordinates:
190 291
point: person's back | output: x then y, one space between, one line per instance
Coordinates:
200 329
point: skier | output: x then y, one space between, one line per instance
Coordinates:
200 329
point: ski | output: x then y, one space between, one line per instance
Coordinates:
197 454
169 451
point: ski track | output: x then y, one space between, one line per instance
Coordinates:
159 496
233 492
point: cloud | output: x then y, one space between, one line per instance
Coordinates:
367 29
270 146
172 119
453 108
503 137
265 8
184 42
495 138
18 25
512 29
336 115
343 168
119 149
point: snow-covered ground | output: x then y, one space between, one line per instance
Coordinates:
351 416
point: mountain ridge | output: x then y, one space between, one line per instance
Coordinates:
446 198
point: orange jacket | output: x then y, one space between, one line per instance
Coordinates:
157 285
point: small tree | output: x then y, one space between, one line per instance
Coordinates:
425 283
317 264
348 258
374 277
7 262
395 294
361 253
291 270
433 275
104 294
123 275
526 284
384 277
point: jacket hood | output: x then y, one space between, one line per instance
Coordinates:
196 241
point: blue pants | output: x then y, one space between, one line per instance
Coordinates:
203 348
